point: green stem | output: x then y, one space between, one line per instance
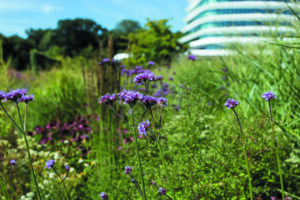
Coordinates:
245 153
161 154
13 121
138 155
62 182
277 152
28 153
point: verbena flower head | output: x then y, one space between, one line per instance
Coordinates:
144 78
153 183
15 95
231 103
105 60
128 170
26 99
159 78
149 101
192 57
162 101
107 99
269 95
151 63
103 196
143 127
12 162
2 95
50 163
162 191
130 97
68 168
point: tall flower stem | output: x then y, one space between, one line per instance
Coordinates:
138 155
245 153
277 151
28 153
62 180
136 185
161 154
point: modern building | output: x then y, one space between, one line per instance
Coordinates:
213 24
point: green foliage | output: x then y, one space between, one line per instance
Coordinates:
155 42
39 61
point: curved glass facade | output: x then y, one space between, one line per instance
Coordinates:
210 20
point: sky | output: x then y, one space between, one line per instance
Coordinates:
18 15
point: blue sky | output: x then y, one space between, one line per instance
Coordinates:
16 16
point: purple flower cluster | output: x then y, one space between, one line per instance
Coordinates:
105 60
67 168
269 95
144 78
12 162
135 71
73 131
162 101
50 164
162 191
163 91
231 103
104 196
149 101
130 97
143 127
151 63
107 99
192 57
128 170
16 96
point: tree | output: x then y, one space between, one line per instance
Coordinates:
121 32
155 42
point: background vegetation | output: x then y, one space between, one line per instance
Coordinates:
200 136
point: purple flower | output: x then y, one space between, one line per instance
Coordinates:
269 95
50 163
130 97
144 78
192 57
105 60
2 95
99 63
103 196
159 78
151 63
153 183
162 101
26 99
231 103
143 126
149 101
162 191
67 168
15 95
128 170
12 162
171 78
107 99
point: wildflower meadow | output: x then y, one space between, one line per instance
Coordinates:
187 129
